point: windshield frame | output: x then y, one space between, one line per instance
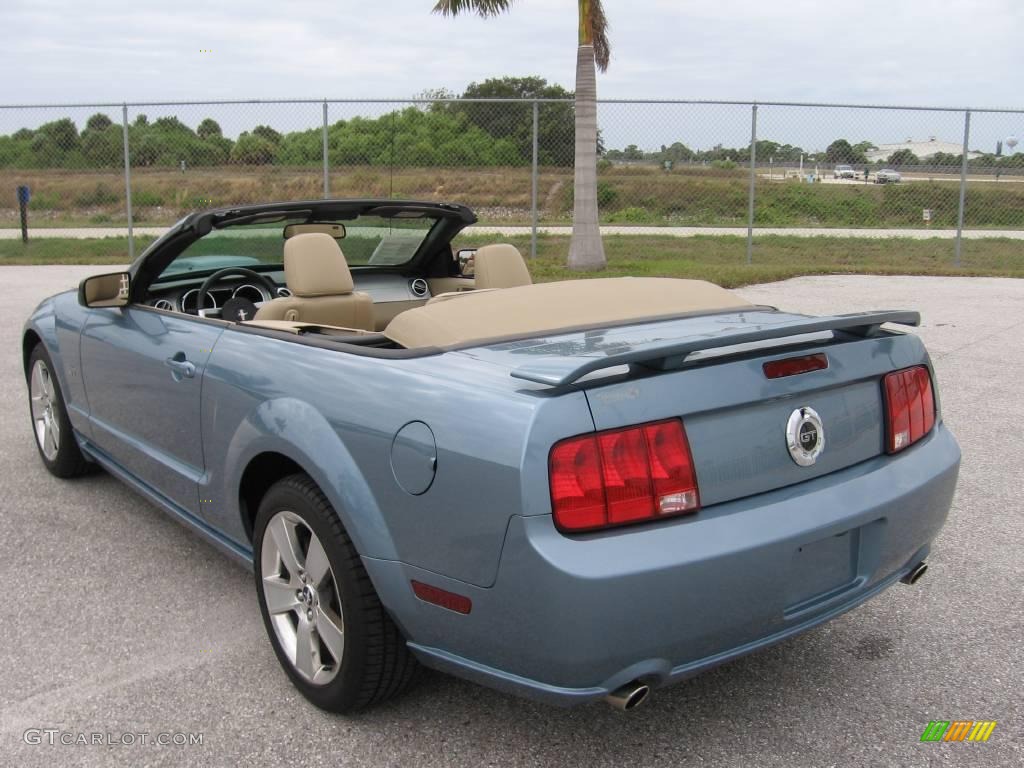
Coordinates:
370 241
451 219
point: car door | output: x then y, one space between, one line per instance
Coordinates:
143 369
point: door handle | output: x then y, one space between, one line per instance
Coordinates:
180 367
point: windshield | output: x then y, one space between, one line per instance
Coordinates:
365 241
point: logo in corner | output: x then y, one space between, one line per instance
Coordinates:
805 436
958 730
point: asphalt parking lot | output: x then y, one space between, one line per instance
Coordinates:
116 619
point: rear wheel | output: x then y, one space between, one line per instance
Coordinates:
325 621
54 437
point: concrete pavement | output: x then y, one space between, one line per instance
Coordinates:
117 620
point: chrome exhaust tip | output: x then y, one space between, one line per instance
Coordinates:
628 697
914 574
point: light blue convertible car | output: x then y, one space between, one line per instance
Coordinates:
571 491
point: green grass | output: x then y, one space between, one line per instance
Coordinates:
722 260
719 259
59 250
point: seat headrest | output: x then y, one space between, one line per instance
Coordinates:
500 266
315 266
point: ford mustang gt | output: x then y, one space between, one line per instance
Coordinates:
571 491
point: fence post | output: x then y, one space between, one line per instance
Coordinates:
753 175
327 182
391 160
963 187
533 182
127 182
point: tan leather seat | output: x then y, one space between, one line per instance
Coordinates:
317 274
500 266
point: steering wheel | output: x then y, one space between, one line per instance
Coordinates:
219 275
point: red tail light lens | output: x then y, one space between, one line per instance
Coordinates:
627 477
910 407
622 476
577 488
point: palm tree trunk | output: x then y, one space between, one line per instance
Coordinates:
586 251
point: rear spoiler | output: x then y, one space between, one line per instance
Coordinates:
559 371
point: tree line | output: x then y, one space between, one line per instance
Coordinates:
439 133
840 151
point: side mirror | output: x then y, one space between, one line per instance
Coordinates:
466 258
111 290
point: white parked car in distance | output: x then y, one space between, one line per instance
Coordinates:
844 172
887 176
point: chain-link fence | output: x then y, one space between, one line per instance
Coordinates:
683 167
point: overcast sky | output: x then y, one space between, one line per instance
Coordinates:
954 52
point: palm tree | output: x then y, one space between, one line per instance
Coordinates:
586 251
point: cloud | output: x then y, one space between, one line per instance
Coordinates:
878 51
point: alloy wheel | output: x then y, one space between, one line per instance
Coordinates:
302 598
45 420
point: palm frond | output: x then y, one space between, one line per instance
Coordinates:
599 29
483 8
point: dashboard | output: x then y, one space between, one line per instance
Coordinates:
184 299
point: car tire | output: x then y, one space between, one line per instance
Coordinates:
324 606
54 437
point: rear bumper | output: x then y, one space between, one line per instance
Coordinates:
570 619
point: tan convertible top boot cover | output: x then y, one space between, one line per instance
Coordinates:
529 310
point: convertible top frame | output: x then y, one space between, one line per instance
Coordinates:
451 219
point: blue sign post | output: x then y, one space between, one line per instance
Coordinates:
24 195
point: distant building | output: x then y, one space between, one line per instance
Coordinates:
923 149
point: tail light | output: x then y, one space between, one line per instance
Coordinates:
622 476
909 406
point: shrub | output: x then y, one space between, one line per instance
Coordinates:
103 147
99 195
98 122
253 150
632 215
209 127
46 201
607 195
147 197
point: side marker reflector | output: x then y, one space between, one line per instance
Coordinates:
441 597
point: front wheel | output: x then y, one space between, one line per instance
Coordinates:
327 625
50 424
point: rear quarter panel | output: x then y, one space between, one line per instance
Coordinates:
337 415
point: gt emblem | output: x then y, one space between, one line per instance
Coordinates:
805 436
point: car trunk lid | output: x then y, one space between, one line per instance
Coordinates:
709 371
